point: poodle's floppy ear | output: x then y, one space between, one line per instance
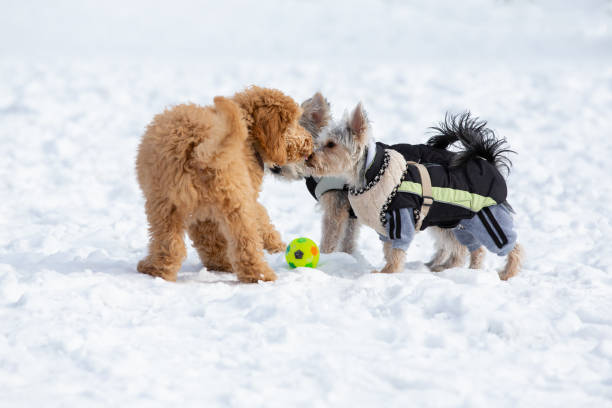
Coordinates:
273 119
358 123
270 122
317 113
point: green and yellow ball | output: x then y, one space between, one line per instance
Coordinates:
302 252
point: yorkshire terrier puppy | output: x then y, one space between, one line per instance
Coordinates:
401 189
339 225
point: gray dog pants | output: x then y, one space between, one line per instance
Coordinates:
491 227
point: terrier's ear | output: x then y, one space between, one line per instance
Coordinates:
317 111
358 122
345 117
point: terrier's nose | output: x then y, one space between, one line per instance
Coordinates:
276 169
308 162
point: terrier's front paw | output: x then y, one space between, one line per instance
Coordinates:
327 248
386 269
162 271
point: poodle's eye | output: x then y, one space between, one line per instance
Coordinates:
330 144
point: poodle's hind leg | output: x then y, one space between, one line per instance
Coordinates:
211 245
514 262
335 215
166 245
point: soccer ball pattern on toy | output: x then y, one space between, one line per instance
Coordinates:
302 252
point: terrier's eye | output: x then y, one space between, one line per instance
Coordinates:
330 145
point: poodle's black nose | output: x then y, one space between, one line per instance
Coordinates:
276 169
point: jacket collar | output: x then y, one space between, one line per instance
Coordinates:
373 167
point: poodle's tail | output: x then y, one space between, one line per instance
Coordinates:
476 139
227 131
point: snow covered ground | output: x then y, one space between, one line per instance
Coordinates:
79 326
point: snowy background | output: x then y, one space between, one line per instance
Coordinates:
79 81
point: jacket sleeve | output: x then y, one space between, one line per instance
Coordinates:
400 228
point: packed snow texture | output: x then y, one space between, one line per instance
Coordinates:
80 327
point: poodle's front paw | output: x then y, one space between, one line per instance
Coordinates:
162 271
267 275
273 242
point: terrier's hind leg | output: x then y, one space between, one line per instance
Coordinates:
477 257
442 250
450 254
438 258
456 259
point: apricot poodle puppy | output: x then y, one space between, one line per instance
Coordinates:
201 169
